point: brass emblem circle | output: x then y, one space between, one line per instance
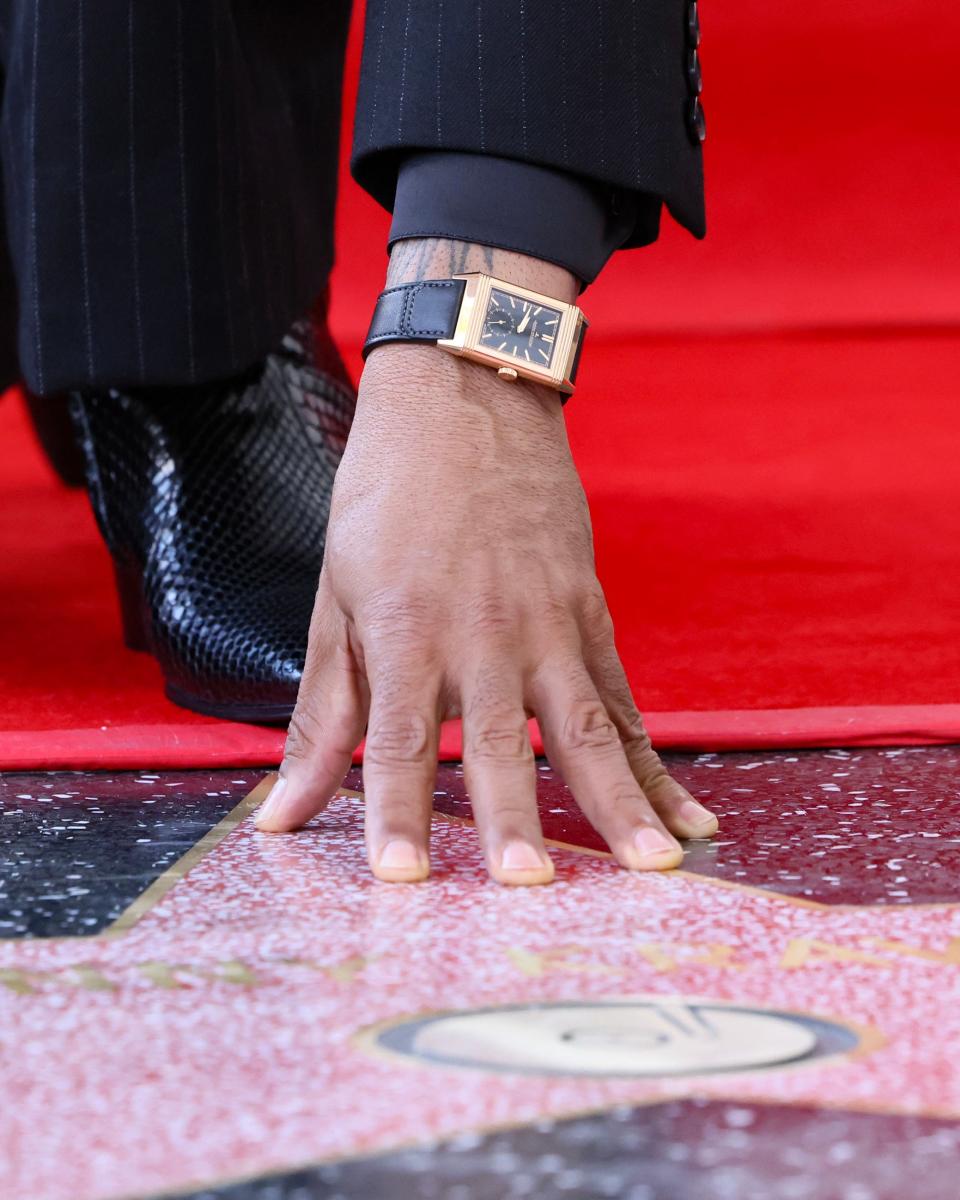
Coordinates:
646 1036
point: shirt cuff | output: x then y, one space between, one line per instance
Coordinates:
518 206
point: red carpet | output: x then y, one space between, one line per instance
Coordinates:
768 427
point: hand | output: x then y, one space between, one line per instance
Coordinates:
459 581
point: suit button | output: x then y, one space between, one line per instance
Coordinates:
694 74
693 24
696 122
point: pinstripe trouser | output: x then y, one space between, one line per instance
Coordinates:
169 171
169 166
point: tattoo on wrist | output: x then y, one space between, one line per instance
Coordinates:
412 259
437 258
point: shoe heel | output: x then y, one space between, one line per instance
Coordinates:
136 635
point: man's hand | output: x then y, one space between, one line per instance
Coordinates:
459 581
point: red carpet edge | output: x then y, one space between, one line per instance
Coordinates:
220 744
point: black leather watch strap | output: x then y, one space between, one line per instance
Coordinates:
415 312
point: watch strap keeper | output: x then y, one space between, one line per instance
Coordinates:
423 311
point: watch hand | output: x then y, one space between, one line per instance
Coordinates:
526 319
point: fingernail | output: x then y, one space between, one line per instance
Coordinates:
271 805
651 841
399 855
695 814
521 856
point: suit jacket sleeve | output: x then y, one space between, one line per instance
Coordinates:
605 90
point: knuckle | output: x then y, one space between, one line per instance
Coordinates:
633 731
646 762
489 615
595 613
554 609
503 738
323 746
400 815
398 739
630 803
510 815
303 731
587 727
598 632
400 613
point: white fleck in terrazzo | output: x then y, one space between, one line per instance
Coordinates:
218 1036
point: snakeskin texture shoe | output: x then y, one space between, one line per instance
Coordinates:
213 502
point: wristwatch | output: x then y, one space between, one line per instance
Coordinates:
520 333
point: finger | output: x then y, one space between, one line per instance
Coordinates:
677 809
500 773
325 729
583 743
400 766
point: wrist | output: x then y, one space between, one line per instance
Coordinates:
428 389
413 259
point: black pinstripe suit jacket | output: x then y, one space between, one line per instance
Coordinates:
169 166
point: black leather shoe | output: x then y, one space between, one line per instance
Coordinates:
213 502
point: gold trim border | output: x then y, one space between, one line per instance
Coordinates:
366 1153
749 889
177 871
151 896
864 1107
870 1039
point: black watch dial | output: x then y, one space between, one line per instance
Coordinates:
520 328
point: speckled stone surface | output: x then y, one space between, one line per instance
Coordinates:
238 1034
75 850
685 1150
838 827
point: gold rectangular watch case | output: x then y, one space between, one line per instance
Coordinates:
561 371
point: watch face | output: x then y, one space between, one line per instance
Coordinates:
520 328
